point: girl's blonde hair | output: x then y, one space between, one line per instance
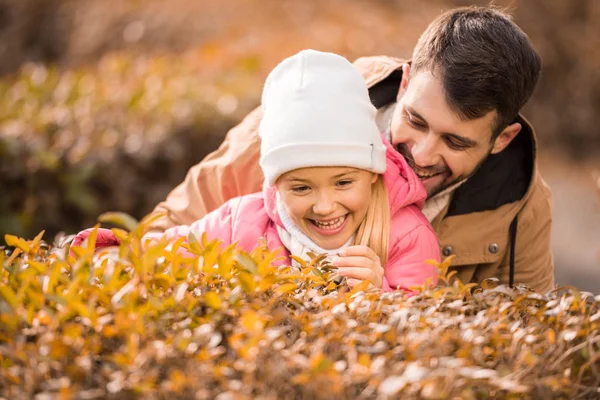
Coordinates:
374 230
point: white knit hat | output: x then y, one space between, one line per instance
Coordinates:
317 113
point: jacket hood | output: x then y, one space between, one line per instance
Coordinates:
403 186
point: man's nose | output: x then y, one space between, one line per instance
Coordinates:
324 203
425 151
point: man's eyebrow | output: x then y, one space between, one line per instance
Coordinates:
467 142
414 113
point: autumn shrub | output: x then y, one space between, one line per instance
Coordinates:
134 323
116 136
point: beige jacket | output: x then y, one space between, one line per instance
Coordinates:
475 226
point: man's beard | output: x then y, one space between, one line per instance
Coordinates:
446 183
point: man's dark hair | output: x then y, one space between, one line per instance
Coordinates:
484 61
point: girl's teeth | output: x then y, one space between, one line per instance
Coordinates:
336 223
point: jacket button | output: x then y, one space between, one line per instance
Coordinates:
493 248
447 251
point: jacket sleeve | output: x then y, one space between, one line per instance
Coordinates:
534 264
230 171
217 224
406 265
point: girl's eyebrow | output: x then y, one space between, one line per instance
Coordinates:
345 173
293 178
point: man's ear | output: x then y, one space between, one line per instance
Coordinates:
404 81
505 137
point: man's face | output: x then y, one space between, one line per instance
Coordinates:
442 148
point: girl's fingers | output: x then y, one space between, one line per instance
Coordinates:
353 261
357 273
359 251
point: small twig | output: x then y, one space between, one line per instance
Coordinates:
574 350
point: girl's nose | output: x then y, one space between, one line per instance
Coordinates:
324 204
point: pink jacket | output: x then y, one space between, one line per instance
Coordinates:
248 218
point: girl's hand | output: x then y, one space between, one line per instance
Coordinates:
359 263
104 238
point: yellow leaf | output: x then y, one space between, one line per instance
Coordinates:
364 360
163 281
551 336
9 296
212 300
17 242
80 308
39 267
247 281
246 263
177 244
361 287
317 259
36 241
299 261
192 244
13 256
120 234
252 322
145 223
287 288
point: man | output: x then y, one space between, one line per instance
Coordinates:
453 113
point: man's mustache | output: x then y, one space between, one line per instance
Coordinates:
402 148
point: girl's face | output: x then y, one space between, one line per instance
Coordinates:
327 203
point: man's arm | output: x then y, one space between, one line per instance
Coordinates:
230 171
534 264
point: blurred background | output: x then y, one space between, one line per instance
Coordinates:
105 104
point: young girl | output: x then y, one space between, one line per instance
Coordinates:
332 184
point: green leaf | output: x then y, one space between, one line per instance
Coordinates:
119 219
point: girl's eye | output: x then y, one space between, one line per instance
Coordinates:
344 183
300 189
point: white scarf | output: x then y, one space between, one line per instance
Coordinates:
297 243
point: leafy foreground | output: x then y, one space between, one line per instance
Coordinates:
228 325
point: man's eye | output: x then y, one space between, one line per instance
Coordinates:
456 145
414 123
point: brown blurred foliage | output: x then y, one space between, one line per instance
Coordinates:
209 45
70 32
223 324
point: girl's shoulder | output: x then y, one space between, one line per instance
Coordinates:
248 213
407 220
247 208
